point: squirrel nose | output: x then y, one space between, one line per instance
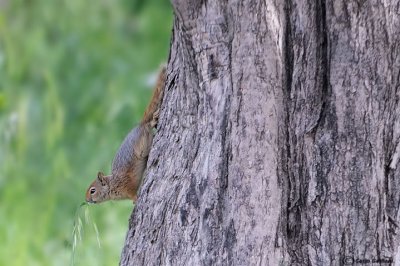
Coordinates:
89 200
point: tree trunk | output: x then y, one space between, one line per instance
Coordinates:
278 140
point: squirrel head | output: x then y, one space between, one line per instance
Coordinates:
99 190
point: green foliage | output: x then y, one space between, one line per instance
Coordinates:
73 81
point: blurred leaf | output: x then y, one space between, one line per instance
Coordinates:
2 100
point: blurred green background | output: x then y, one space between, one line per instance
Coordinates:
74 78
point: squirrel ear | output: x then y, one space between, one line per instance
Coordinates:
100 177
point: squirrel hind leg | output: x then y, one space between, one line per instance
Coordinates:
154 121
134 199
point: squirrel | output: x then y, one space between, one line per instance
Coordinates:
130 161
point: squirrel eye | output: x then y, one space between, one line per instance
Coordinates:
92 190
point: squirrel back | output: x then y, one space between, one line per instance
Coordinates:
137 143
154 104
130 160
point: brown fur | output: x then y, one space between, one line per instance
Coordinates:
130 161
153 108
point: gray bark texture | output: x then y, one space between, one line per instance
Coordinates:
278 139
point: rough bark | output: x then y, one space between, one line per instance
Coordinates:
278 140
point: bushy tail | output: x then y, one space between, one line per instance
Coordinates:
155 102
